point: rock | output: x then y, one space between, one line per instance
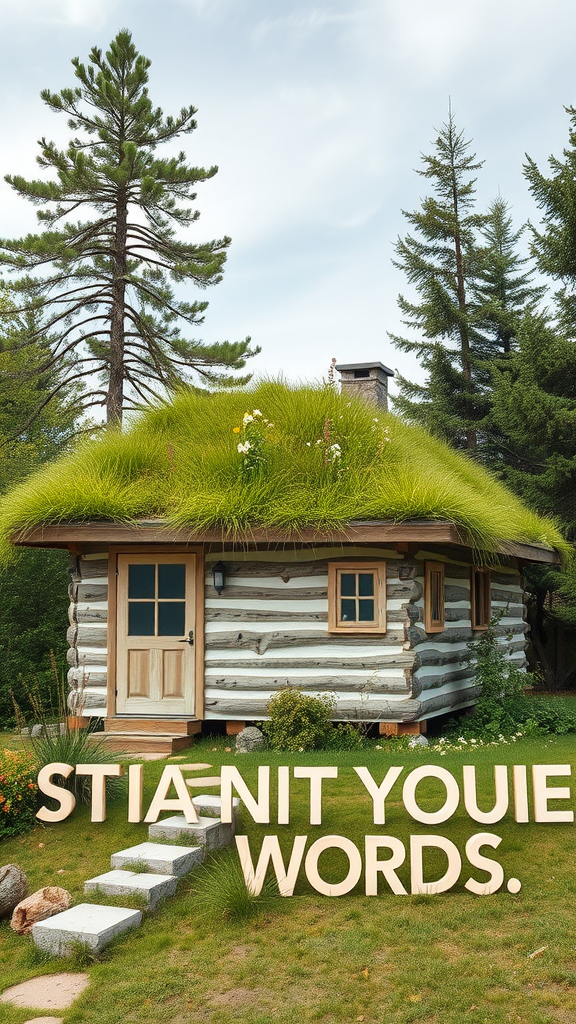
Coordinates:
249 739
37 730
40 905
13 888
418 741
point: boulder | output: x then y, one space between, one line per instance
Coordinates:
418 741
13 888
37 731
40 905
249 739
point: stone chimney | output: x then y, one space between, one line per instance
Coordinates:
368 381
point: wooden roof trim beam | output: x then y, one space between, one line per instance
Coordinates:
63 535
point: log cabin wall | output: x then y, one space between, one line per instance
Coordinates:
269 628
88 633
443 677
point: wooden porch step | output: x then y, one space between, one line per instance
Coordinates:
181 726
144 742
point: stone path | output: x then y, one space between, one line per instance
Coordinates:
150 870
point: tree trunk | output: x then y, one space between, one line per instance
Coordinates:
471 437
115 397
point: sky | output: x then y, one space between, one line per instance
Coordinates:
317 116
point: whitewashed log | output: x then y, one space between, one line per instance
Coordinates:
89 612
87 635
88 592
216 614
93 697
91 567
260 642
323 684
90 675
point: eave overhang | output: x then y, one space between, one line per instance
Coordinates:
413 532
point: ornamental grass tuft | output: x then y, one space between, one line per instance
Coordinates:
220 891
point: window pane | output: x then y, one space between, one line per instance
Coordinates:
171 618
141 581
366 584
172 581
348 611
366 611
348 584
141 617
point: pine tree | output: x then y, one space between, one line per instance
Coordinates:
105 283
442 261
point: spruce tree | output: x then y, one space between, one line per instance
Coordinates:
106 267
554 245
442 261
504 288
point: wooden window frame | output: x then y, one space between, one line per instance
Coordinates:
433 625
334 571
476 571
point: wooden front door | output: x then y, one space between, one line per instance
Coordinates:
156 619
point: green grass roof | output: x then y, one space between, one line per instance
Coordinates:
180 462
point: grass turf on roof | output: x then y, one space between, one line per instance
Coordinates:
179 462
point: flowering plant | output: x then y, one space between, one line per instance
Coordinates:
18 792
252 441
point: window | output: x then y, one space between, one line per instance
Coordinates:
357 597
156 599
434 597
480 598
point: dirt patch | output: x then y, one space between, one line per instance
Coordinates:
48 992
240 953
240 997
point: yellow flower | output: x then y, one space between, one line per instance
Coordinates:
235 430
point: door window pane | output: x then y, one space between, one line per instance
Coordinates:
141 617
172 581
141 582
171 618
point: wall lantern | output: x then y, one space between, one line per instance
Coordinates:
219 577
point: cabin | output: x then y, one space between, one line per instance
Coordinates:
225 546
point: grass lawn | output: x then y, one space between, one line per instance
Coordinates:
448 958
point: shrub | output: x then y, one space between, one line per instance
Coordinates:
18 793
298 721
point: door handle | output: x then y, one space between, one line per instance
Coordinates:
188 639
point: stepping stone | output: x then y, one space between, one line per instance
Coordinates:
45 1020
125 883
48 992
209 832
211 806
160 858
91 925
